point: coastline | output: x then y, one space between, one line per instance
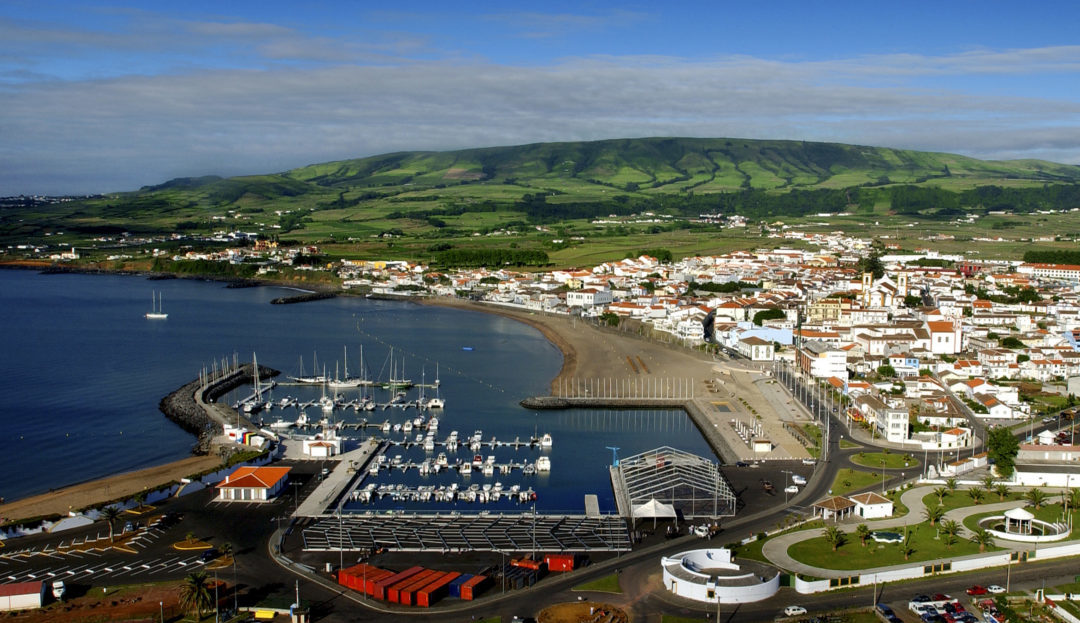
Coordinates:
587 353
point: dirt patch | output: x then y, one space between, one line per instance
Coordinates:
582 612
458 173
127 603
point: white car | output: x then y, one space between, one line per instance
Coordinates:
797 479
808 462
791 489
794 611
995 589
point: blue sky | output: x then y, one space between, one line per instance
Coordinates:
106 96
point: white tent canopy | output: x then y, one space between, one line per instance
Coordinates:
654 509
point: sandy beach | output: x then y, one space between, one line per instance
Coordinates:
588 353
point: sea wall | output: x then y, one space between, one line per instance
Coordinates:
187 406
692 408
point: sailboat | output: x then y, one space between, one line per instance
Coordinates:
156 308
310 380
396 383
348 381
436 402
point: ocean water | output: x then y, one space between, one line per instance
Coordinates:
83 373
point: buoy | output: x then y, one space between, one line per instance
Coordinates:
466 348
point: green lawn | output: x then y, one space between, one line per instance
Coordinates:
845 444
848 480
1047 512
892 460
960 498
607 584
853 556
752 551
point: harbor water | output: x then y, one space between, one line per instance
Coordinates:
85 371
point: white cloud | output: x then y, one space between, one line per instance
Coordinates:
121 133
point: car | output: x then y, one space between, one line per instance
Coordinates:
797 479
892 618
885 610
941 597
128 527
741 464
882 536
791 489
976 590
994 589
920 599
210 554
809 462
325 471
794 611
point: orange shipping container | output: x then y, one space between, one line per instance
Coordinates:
379 590
432 592
393 593
472 588
559 562
407 595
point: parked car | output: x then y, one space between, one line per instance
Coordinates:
210 554
797 479
976 590
794 611
791 489
941 597
885 610
995 589
741 464
808 462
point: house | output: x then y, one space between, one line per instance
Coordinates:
944 337
822 360
872 505
22 595
756 349
253 484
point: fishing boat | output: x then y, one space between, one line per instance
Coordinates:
157 308
543 464
545 441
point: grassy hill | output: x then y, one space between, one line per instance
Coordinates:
423 199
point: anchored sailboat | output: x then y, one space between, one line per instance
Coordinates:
156 308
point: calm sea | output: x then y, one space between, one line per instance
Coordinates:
84 372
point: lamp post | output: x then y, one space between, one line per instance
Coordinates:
161 608
787 475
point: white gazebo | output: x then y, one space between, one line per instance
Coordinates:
1018 521
654 509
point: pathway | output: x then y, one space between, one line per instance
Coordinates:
775 549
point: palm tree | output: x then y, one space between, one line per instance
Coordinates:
933 513
110 514
195 593
834 536
863 532
950 484
983 539
976 494
1074 499
906 549
1036 497
140 497
950 527
1002 490
941 492
988 481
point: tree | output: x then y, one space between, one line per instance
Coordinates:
983 539
941 492
988 482
195 593
950 527
950 484
1002 448
976 494
1002 490
768 314
834 536
886 371
863 532
110 514
933 513
1036 497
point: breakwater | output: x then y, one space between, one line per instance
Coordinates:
303 298
191 406
693 409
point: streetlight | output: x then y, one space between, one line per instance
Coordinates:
161 607
787 475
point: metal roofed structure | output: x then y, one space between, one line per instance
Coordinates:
690 483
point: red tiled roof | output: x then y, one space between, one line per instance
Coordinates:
254 477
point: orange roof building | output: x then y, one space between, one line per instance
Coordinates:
253 484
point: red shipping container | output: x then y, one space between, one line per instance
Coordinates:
432 592
378 591
367 584
472 588
526 563
559 562
393 593
407 594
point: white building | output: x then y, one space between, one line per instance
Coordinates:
872 505
755 349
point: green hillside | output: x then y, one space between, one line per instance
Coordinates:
412 203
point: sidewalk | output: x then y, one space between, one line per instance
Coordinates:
775 549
